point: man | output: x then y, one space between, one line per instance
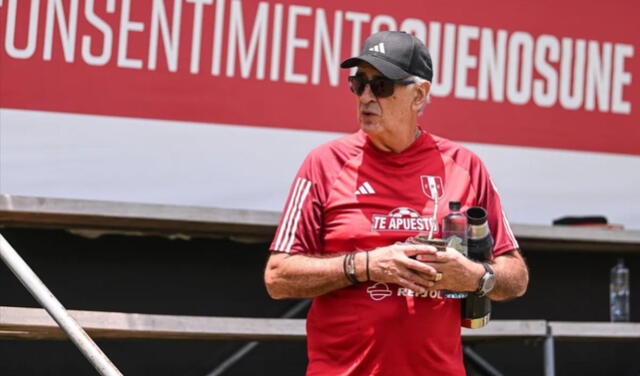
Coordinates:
377 308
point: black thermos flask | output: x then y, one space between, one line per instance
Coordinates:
476 310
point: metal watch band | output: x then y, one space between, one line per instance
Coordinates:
482 288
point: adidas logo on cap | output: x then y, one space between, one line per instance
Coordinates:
378 48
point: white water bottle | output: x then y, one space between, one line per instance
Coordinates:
619 293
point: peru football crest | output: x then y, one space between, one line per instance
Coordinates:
432 186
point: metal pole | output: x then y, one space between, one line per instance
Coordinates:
486 368
41 293
549 354
244 350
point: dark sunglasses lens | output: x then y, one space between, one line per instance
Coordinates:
382 87
357 84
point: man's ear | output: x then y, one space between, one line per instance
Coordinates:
422 92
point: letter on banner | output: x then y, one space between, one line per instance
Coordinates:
520 63
9 38
322 43
548 97
492 69
293 43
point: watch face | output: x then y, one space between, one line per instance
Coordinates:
489 282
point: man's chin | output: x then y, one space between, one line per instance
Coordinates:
370 127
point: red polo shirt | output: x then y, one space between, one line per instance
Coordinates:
347 196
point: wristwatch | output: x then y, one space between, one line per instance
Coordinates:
487 282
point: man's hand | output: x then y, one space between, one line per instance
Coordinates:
306 276
462 274
394 264
458 272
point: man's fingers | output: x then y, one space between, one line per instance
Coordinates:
422 279
433 257
420 267
407 283
418 249
417 278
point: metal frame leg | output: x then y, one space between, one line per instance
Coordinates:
41 293
549 354
246 349
484 366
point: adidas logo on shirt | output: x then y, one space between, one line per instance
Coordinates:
378 48
365 189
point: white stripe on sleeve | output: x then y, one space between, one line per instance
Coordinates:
285 220
292 233
504 218
508 226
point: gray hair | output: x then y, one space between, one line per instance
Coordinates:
419 81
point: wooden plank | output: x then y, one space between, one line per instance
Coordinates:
507 329
255 225
148 326
577 233
576 238
35 323
582 331
17 334
19 211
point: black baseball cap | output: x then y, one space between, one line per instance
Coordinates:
396 55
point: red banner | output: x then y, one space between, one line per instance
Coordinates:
543 74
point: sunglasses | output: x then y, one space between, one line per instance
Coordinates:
381 86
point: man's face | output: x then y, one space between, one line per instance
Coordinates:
380 116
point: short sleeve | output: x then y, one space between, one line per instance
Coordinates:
300 226
488 198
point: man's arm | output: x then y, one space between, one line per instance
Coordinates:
462 274
512 276
305 276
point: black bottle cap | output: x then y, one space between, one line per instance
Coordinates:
476 216
454 205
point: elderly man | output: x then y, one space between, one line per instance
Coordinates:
377 306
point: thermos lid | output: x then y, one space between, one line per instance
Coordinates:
476 216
